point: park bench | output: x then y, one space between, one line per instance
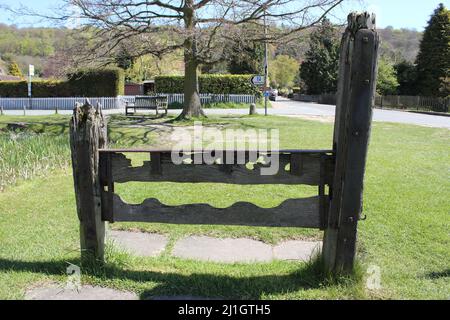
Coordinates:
148 103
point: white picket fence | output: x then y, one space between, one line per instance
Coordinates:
204 97
108 103
56 103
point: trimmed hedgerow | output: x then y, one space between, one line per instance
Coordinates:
98 83
209 83
85 83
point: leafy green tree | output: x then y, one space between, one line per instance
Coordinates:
445 87
14 70
433 60
406 77
387 83
319 71
282 71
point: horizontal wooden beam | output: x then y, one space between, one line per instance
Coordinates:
162 150
291 213
305 168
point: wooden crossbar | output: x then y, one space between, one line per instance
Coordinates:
291 213
301 167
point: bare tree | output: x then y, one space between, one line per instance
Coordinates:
202 28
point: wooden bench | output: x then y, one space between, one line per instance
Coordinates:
148 103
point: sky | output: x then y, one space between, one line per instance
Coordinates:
411 14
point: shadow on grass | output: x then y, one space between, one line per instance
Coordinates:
55 128
307 277
439 274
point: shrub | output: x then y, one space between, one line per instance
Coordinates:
87 83
97 83
209 83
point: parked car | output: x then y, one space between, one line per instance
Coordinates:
273 95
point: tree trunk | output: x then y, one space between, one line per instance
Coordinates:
192 104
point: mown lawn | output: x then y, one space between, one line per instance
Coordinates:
406 232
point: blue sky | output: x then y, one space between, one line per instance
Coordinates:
412 14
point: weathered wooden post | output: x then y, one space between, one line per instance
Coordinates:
87 136
356 91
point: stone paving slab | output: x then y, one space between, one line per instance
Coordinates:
139 243
215 250
297 250
243 250
54 292
222 250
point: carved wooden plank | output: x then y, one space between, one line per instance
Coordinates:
291 213
308 172
169 151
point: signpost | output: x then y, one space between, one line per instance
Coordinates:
30 74
266 63
258 80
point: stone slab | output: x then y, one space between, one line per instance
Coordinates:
297 250
55 292
139 243
222 250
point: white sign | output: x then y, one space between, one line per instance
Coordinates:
31 70
258 80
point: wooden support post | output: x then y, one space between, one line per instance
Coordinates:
87 136
356 91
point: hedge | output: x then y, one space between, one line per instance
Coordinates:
85 83
98 83
209 83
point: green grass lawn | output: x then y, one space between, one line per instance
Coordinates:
406 232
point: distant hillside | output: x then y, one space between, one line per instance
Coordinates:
396 44
31 45
400 44
42 47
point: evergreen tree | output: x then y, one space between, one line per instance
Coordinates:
123 59
14 70
433 60
246 58
320 69
406 77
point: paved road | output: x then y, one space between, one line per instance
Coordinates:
286 107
